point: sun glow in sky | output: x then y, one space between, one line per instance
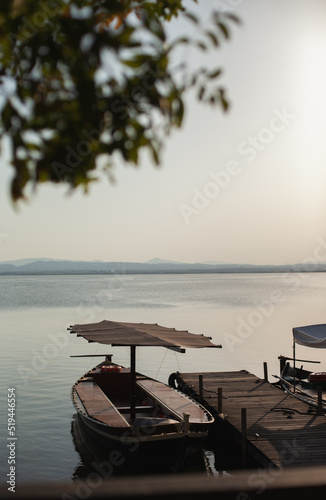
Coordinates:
246 187
310 94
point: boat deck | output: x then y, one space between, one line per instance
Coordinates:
172 400
281 429
98 405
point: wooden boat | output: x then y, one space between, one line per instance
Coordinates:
303 378
297 380
133 413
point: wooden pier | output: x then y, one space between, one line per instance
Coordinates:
269 425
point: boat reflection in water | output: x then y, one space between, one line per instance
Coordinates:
96 458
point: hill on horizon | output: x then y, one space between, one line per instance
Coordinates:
156 265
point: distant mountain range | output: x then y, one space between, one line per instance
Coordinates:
154 266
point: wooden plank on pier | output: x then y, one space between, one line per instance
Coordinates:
281 430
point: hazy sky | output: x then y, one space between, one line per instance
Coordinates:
247 187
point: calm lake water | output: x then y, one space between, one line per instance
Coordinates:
251 315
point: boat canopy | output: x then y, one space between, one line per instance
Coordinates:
139 334
310 336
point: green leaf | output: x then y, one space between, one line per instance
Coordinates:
202 45
215 73
132 63
179 113
233 17
213 38
224 30
224 102
179 41
192 17
133 154
155 153
201 93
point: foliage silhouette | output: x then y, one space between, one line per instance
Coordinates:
85 80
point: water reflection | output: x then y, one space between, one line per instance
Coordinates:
105 462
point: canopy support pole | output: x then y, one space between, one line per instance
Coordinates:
132 382
294 364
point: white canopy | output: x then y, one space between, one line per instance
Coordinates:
310 336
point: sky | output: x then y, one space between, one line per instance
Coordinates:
248 186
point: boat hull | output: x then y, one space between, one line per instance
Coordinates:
166 454
305 378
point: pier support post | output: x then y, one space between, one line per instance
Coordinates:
186 417
201 387
243 437
320 399
132 382
219 400
265 372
